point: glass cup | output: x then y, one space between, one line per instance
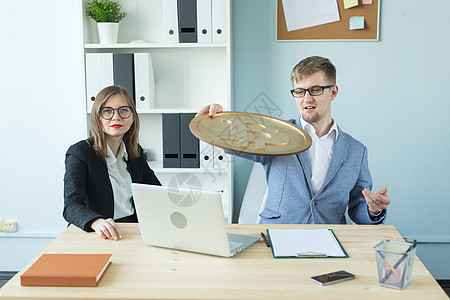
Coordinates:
395 262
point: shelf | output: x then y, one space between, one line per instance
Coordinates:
174 110
155 46
171 110
29 234
185 78
167 111
157 166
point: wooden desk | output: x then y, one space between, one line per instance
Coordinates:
143 272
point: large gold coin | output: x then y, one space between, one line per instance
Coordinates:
250 133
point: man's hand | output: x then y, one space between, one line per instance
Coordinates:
106 229
211 109
377 202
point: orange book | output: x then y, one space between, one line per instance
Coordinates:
66 270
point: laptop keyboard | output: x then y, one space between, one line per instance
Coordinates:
234 245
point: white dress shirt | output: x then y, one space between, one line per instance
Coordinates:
320 153
120 182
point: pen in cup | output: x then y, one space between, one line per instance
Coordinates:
414 244
389 265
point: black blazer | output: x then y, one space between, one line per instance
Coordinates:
88 193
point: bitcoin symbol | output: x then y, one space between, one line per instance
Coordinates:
252 133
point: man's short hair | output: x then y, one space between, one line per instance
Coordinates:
311 65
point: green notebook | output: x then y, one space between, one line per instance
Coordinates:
305 243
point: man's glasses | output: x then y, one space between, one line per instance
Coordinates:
107 113
313 91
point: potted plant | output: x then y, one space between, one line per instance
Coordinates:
107 14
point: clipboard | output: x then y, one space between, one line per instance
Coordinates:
305 243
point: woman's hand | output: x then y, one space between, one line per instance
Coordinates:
107 229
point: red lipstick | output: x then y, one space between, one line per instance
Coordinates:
116 126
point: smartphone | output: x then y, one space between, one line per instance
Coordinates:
332 277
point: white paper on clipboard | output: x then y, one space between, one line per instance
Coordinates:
304 242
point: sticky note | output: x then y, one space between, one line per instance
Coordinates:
350 3
356 22
366 1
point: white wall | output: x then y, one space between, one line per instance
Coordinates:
41 78
393 97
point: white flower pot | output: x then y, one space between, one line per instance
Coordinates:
107 32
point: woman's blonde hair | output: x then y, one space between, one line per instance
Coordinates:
131 136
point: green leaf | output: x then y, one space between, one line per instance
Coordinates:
105 11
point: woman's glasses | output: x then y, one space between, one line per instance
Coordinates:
124 112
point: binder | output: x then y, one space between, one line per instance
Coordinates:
206 156
187 21
170 16
189 143
144 81
171 140
99 74
219 28
221 159
305 243
124 72
204 21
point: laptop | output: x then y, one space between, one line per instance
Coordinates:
189 219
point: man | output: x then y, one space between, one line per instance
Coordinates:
318 185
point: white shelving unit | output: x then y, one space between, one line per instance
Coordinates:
187 77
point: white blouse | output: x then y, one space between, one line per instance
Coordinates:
120 182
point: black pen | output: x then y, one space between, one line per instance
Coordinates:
265 239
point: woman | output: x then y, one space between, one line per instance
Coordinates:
99 170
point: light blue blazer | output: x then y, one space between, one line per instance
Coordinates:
290 198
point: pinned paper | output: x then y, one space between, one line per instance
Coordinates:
350 3
366 1
301 14
356 22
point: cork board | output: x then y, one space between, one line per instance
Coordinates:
336 30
